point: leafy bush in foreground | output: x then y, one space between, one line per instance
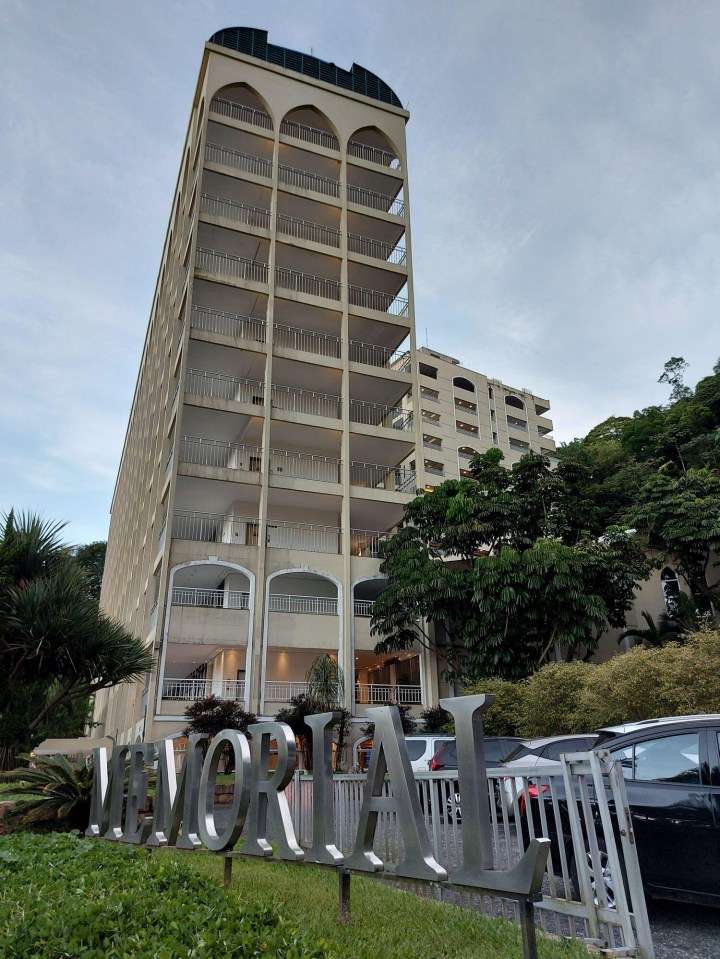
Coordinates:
61 896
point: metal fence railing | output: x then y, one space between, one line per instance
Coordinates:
220 453
259 166
193 689
378 694
239 111
308 181
307 230
377 414
377 300
377 249
228 324
366 542
237 212
305 401
215 598
319 605
376 201
373 155
215 528
313 466
376 476
307 283
224 387
226 264
302 131
307 341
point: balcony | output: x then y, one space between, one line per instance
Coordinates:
467 429
215 528
517 424
300 131
374 476
309 537
432 467
306 341
377 414
220 454
519 446
366 542
226 264
305 401
376 249
363 608
307 283
375 201
191 690
465 455
238 111
234 325
373 155
432 395
377 300
212 598
377 694
283 692
307 230
316 605
245 162
303 180
325 469
235 212
379 356
222 386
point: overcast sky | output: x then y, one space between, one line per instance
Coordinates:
564 178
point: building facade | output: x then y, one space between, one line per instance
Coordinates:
274 437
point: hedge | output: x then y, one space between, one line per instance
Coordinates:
562 698
62 895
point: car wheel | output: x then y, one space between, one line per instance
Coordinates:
603 880
453 814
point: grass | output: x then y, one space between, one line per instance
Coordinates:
385 923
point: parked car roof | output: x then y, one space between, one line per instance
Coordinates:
609 732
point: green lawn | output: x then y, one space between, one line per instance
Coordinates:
385 923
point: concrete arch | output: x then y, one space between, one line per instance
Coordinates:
261 101
331 128
210 561
266 618
389 144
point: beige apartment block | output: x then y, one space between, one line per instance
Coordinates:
463 412
263 458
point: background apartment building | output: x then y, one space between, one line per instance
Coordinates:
274 438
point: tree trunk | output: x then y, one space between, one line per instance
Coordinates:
8 757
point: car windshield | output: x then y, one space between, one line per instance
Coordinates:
521 752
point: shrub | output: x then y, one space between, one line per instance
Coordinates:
549 699
435 718
49 788
502 718
61 895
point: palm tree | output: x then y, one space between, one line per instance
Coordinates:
56 647
49 786
325 684
682 618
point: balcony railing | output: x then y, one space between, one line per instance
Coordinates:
437 470
519 446
375 476
377 300
380 356
517 424
363 607
373 155
431 395
326 469
237 212
372 693
303 536
215 528
320 605
305 401
193 689
215 598
219 453
307 341
238 111
307 283
376 201
307 230
376 414
228 324
366 542
277 692
214 153
226 264
377 249
432 445
466 456
310 134
221 386
467 430
308 181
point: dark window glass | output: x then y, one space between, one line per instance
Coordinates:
415 747
555 750
672 759
430 371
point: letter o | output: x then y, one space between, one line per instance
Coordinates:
217 842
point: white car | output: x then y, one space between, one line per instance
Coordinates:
539 752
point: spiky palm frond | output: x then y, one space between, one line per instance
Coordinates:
49 785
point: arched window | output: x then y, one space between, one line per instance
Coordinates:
463 384
515 402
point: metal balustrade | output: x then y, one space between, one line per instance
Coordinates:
377 300
373 155
193 689
283 692
375 476
466 456
437 445
226 264
519 447
307 341
377 693
308 181
215 598
228 324
377 414
376 201
238 111
320 605
219 453
222 386
302 131
304 536
437 470
307 230
377 249
305 401
238 212
215 528
259 166
307 283
366 542
363 607
468 431
372 355
431 395
326 469
517 424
